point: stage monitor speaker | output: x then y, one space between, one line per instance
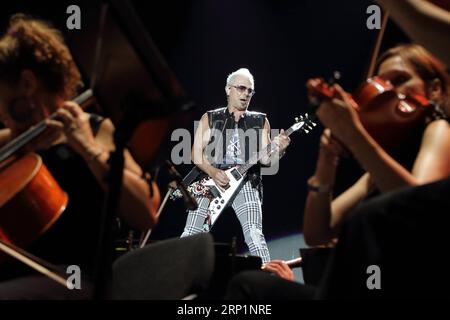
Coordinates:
227 264
169 269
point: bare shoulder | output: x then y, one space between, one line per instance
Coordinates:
204 118
436 133
439 125
266 124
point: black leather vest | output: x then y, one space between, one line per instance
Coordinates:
221 120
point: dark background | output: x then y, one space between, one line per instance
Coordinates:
283 43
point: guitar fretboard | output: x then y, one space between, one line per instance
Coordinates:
267 150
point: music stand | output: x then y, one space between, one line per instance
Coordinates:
135 88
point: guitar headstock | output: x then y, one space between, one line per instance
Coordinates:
304 123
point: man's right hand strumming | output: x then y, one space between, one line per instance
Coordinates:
219 177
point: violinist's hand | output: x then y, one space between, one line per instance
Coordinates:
77 129
279 268
341 117
330 147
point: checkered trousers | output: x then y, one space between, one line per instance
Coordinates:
247 207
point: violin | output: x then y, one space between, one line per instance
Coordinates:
388 116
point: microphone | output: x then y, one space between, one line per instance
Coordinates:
189 200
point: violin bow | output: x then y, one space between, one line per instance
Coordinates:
377 46
30 261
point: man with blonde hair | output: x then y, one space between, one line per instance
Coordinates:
225 131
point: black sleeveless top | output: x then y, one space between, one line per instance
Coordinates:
222 122
72 240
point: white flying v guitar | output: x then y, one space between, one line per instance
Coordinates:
220 197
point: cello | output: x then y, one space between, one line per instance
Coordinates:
28 191
31 200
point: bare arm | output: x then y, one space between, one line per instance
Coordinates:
387 173
432 162
265 160
201 139
135 203
323 216
424 22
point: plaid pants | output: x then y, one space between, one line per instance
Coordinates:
247 207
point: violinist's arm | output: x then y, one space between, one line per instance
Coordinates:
424 22
386 173
5 136
323 216
432 162
135 204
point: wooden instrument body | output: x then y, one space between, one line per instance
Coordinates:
30 200
388 116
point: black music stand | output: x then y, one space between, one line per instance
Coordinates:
135 88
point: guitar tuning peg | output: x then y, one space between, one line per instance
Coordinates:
296 119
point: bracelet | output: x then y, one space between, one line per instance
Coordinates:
326 188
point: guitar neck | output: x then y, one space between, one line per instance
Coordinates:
267 150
